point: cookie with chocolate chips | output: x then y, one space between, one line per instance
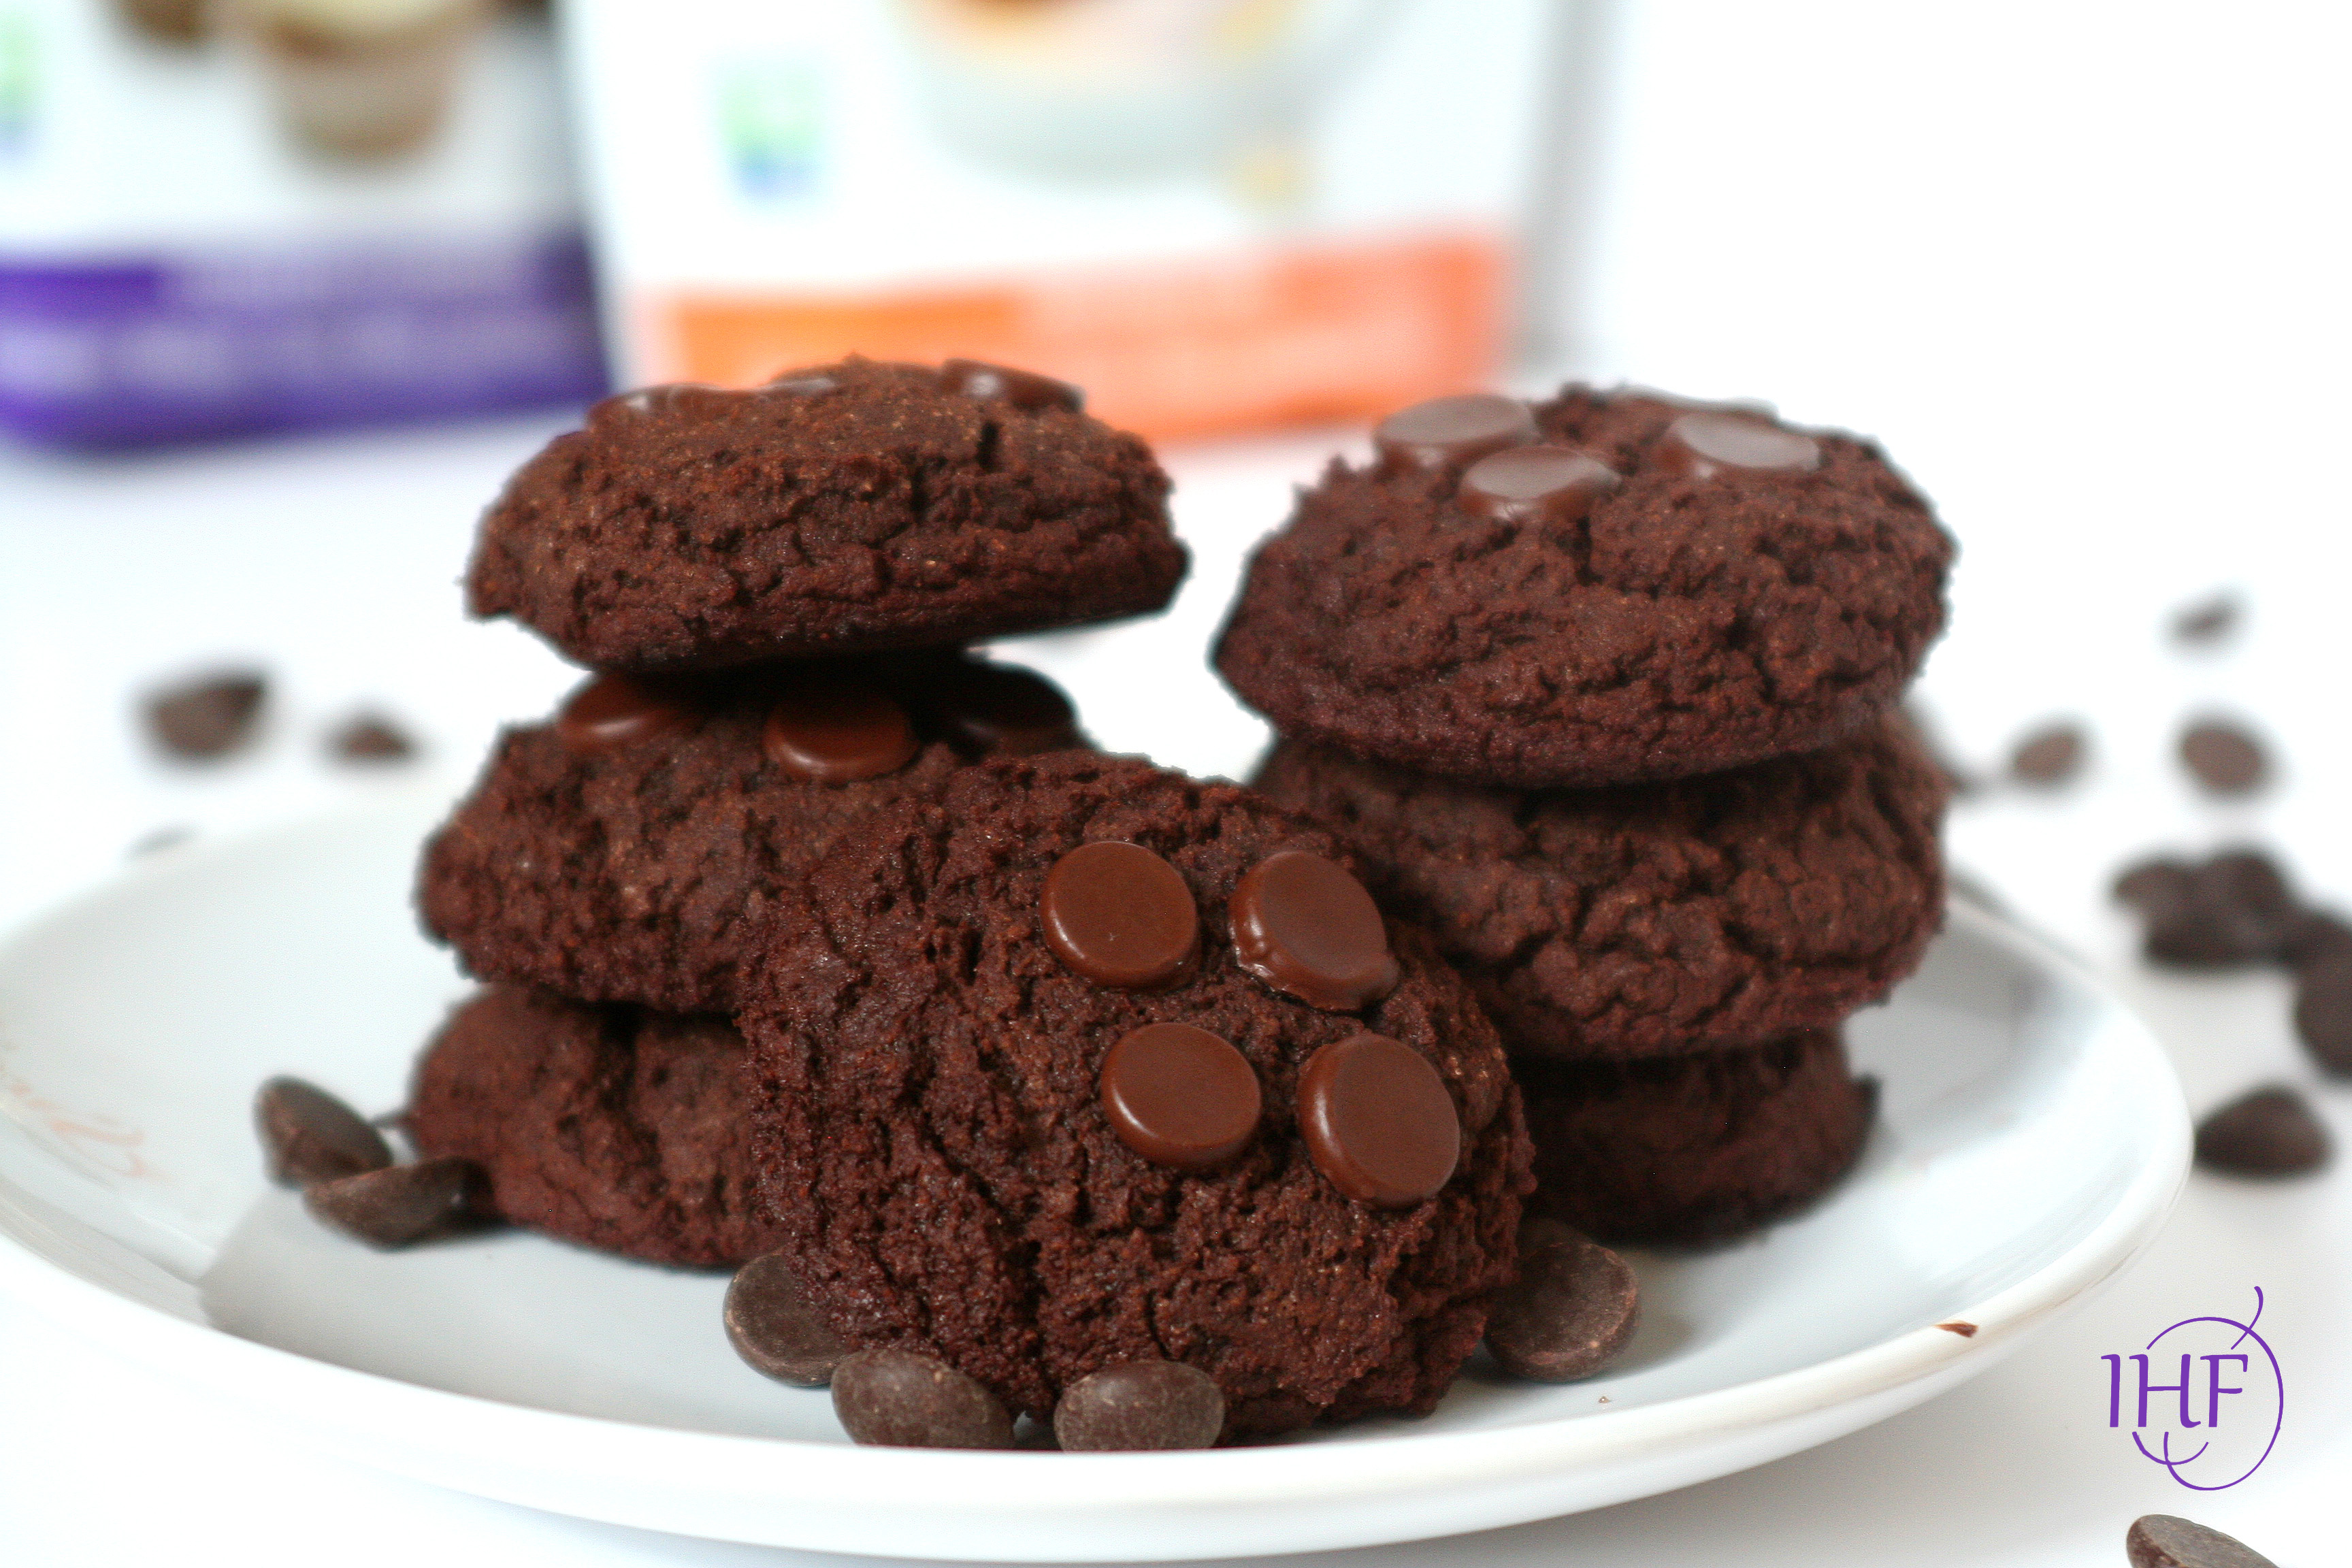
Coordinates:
1023 1107
847 508
1601 588
1699 914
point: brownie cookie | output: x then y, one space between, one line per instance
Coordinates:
1088 1062
614 1127
626 851
1629 588
841 509
1644 920
1694 1148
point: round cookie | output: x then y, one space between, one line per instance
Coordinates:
630 867
1700 914
940 1154
614 1127
841 509
1695 1149
1681 616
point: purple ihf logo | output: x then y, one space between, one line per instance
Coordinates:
2203 1398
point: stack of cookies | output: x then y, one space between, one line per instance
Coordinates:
1604 691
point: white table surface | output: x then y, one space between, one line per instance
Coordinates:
2080 269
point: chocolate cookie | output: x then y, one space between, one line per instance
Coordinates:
624 852
1695 1149
1629 588
1700 914
614 1127
1024 1108
841 509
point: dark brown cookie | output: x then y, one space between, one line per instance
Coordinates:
1676 623
1695 915
948 1177
632 858
1695 1149
614 1127
841 509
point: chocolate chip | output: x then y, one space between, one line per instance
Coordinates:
371 738
1536 484
309 1135
1571 1311
904 1400
798 385
772 1325
616 710
2050 755
2316 937
209 716
2163 1541
2207 622
2323 1011
1023 389
1711 442
2234 908
1139 1405
2270 1133
831 732
998 710
399 1204
1120 916
1450 432
2223 758
1378 1121
1180 1096
1306 927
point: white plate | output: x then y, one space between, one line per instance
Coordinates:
2031 1140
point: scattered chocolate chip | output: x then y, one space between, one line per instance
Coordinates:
2163 1541
1536 484
2207 622
2269 1132
1378 1121
1120 916
208 717
2323 1012
905 1400
1305 926
1139 1405
2234 908
616 710
772 1325
310 1136
1023 389
1959 1326
1709 442
831 732
399 1204
997 710
1180 1096
1571 1311
2316 937
1449 432
371 738
2223 758
2050 755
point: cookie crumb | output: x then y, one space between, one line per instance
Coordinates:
1962 1327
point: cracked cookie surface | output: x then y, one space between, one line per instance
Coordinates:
841 509
1683 625
1697 914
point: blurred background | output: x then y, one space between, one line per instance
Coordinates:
286 287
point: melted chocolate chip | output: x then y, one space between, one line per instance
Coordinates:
2269 1132
399 1204
616 710
831 732
2166 1541
776 1328
207 718
999 711
1449 432
1023 389
1305 926
311 1136
1711 442
1378 1121
1120 916
694 399
904 1400
1180 1096
799 385
1536 484
1141 1404
1571 1311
